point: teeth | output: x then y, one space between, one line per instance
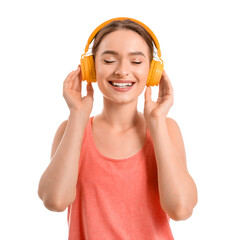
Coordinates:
122 84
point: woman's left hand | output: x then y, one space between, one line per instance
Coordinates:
155 111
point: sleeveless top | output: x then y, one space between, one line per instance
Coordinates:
117 199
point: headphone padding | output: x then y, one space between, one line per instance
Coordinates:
88 69
156 70
83 70
92 69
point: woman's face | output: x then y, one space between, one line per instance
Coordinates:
122 57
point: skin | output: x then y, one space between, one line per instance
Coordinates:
125 125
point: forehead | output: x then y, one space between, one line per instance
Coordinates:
124 41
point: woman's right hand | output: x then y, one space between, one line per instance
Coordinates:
72 92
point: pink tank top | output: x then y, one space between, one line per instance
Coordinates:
117 199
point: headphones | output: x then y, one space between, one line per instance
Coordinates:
88 66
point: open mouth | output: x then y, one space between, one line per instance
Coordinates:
122 85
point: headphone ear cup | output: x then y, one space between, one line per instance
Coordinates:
88 69
155 73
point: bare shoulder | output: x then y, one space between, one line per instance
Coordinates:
172 124
177 139
58 136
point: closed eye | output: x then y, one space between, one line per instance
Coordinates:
137 62
106 61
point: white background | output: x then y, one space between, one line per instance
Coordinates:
42 41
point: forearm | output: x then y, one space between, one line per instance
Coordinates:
57 185
178 194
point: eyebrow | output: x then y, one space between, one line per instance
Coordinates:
116 53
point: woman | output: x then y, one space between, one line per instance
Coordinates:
122 174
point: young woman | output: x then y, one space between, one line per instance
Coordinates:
122 174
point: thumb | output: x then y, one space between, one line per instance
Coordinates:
89 89
148 94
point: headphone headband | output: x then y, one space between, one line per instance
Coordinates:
157 45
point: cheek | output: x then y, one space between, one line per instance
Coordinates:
143 74
102 71
97 70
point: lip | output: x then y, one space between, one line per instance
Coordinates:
118 89
121 81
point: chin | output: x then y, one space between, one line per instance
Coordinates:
120 99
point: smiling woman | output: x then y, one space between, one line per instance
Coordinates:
116 62
122 174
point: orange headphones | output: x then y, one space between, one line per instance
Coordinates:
88 66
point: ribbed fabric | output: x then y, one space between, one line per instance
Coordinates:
117 199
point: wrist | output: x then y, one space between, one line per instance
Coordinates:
157 124
79 115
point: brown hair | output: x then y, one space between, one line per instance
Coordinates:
124 24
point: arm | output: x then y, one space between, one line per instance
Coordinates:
178 193
57 186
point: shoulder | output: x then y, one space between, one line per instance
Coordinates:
173 126
61 129
171 122
58 136
176 137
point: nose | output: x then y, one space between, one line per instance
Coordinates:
121 70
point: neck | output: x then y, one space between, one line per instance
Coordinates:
121 116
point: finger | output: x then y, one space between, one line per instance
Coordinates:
89 90
167 79
148 94
166 85
169 89
69 81
73 74
77 84
80 73
66 83
165 88
160 93
78 81
162 87
70 75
